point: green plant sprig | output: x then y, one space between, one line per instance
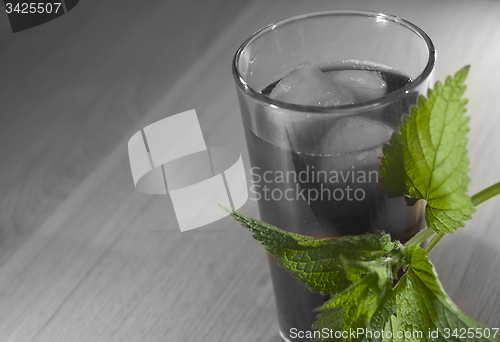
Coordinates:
476 199
427 161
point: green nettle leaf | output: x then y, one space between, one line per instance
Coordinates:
331 320
423 307
367 303
428 160
316 262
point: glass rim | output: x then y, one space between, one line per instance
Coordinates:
343 109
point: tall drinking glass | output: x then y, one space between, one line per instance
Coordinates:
315 167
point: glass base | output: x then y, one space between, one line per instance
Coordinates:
283 336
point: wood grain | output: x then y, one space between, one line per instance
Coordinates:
84 257
73 88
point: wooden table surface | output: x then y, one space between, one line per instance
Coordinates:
85 257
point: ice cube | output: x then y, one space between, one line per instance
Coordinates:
355 134
307 85
365 85
354 143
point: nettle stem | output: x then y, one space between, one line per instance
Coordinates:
420 237
433 242
476 200
486 194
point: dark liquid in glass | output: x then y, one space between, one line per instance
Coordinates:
338 211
